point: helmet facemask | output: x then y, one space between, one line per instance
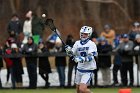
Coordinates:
83 36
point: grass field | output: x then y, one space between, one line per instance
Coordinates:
55 90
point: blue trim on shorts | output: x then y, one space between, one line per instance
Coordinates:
89 78
85 70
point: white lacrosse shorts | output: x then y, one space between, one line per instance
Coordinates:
83 77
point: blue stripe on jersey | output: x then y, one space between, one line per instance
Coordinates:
94 53
89 58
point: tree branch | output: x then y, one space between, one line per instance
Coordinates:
113 2
12 6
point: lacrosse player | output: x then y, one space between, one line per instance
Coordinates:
83 52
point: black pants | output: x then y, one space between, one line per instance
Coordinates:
95 78
45 76
32 72
8 74
18 78
116 68
127 67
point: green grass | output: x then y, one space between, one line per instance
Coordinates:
55 90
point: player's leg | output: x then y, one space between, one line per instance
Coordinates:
85 80
77 81
77 89
83 88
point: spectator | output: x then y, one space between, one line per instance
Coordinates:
17 66
94 37
108 33
135 29
14 66
37 26
11 39
34 26
137 45
52 41
60 63
137 52
30 49
104 60
116 62
124 49
1 63
9 65
44 64
72 64
14 25
27 26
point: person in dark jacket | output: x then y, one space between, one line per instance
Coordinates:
116 61
60 63
124 49
37 25
11 39
104 60
17 66
44 64
93 38
72 64
14 25
135 29
30 49
14 66
9 66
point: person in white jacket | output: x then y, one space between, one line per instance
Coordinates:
27 26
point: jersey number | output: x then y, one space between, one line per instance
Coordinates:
83 54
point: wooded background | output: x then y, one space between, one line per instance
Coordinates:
70 15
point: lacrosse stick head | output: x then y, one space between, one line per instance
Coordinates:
50 23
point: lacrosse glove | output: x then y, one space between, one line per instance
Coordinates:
69 50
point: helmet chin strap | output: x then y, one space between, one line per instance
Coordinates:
84 41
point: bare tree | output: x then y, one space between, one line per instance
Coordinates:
115 3
12 6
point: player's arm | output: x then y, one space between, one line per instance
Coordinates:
91 56
91 53
87 58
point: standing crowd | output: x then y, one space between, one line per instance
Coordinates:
26 38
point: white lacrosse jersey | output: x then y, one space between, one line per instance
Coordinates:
83 50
